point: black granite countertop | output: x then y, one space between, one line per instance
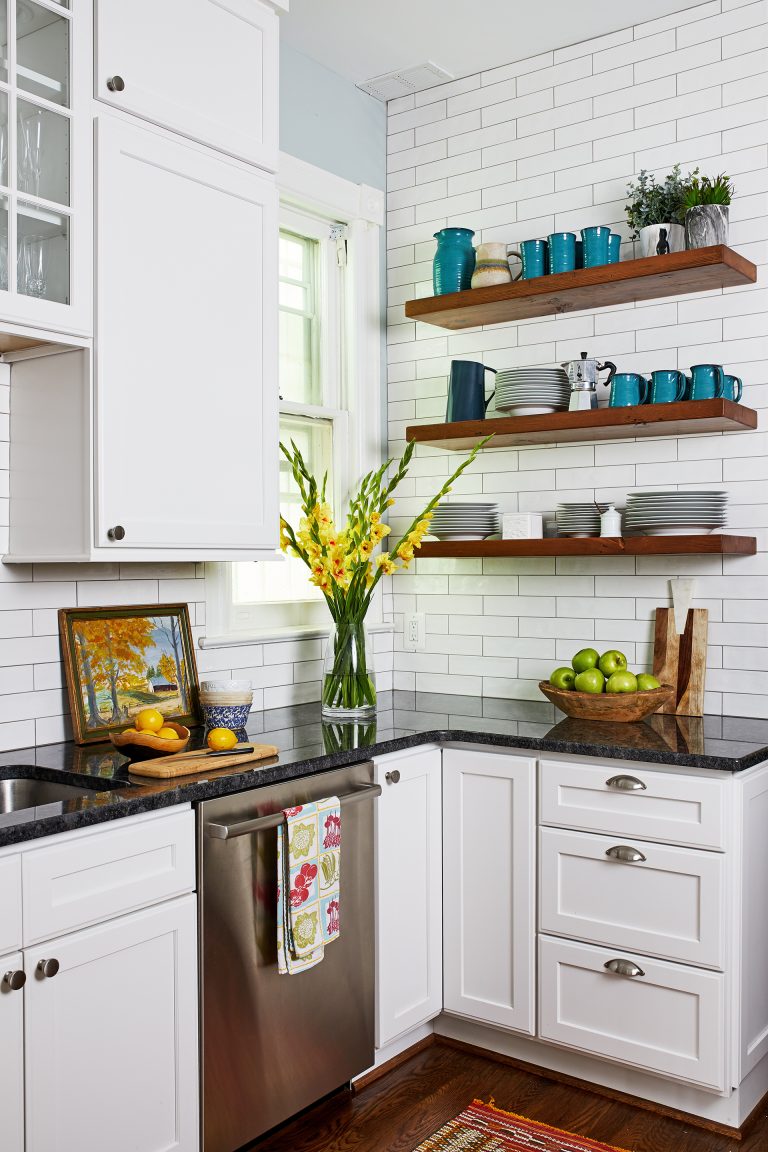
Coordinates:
404 720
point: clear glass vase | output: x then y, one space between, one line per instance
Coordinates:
349 687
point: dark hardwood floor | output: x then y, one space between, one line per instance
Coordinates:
397 1112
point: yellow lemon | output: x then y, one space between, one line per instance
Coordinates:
221 739
167 734
149 720
130 731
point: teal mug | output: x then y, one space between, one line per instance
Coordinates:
562 252
733 388
707 381
627 390
533 254
596 248
614 248
667 386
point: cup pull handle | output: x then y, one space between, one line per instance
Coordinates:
626 854
626 783
623 968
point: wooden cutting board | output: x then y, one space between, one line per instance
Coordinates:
185 763
682 660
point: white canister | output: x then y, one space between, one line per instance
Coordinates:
522 526
610 522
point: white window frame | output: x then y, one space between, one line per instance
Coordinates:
306 190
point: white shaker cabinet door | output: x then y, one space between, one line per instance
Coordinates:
489 831
111 1054
409 955
186 381
206 69
11 1055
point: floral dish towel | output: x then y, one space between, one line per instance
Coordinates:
308 867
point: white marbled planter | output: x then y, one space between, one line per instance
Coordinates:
705 225
649 238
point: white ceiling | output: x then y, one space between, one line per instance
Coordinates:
360 39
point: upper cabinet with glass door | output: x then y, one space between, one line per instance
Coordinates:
202 68
45 167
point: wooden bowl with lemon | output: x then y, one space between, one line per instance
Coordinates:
152 736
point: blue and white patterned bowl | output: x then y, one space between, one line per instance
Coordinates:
234 716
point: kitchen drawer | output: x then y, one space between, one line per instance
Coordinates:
10 903
92 878
665 806
669 904
668 1019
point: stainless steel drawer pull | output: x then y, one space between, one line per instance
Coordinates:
227 831
625 783
623 968
626 854
13 981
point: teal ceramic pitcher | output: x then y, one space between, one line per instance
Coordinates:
454 260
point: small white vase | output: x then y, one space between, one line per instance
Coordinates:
491 266
651 235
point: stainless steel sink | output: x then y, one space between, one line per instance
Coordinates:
18 793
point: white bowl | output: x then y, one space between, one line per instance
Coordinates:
225 686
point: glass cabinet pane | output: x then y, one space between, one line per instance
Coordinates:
42 52
3 40
42 153
3 243
4 140
42 253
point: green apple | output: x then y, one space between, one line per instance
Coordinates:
646 682
585 658
621 682
590 680
563 678
613 661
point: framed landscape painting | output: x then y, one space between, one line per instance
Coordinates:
120 660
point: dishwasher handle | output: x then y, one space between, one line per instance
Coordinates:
246 827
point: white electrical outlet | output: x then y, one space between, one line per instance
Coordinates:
414 639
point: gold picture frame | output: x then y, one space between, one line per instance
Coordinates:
122 659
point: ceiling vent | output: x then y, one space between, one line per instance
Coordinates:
405 81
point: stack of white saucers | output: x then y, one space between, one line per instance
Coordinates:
465 521
577 520
531 391
673 513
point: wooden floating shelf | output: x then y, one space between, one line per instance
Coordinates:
707 545
699 270
686 418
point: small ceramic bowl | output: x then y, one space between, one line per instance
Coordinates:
234 716
238 686
146 745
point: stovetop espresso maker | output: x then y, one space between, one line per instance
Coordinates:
583 378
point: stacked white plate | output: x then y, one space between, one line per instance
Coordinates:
532 391
465 521
670 513
577 520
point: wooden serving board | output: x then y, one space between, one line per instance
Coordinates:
682 660
185 763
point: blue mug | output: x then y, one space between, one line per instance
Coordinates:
595 245
627 390
733 388
707 381
562 252
614 248
667 386
533 254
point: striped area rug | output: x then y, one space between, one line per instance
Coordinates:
485 1128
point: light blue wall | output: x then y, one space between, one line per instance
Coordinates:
327 121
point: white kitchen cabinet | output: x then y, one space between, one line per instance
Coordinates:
409 953
185 371
199 67
10 903
489 838
11 1053
664 1018
123 1008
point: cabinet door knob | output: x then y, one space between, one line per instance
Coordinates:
116 533
392 777
623 968
626 854
625 783
115 83
47 968
13 981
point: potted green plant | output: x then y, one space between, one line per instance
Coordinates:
654 207
706 203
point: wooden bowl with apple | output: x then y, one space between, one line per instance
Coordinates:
618 707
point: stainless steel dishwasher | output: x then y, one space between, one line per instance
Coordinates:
273 1044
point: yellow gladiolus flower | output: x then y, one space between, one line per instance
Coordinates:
386 563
